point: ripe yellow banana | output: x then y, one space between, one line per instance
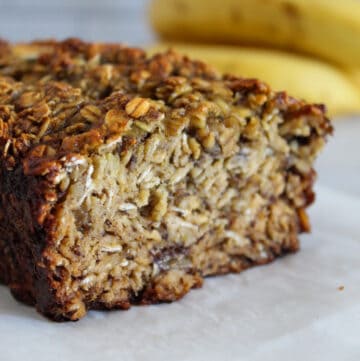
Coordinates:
309 79
355 76
329 29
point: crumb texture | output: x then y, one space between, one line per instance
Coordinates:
127 179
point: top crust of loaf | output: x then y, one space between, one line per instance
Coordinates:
60 100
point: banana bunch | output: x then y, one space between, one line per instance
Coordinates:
326 31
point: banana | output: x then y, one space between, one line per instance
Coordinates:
309 79
329 29
355 76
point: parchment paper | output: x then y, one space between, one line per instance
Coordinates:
302 307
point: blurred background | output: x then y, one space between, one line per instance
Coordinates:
104 20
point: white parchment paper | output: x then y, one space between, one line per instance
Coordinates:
292 309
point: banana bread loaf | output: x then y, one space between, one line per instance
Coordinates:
127 179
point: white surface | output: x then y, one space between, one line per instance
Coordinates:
289 310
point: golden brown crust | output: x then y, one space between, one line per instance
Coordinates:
33 111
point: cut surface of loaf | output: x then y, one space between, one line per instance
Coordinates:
127 179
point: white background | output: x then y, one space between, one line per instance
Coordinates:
289 310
